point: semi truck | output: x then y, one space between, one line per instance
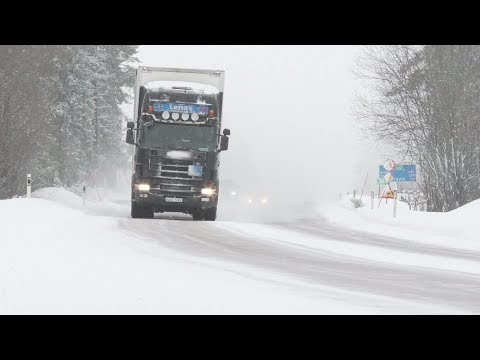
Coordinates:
177 141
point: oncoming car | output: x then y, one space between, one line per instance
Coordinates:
257 199
233 193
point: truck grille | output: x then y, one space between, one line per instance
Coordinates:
170 177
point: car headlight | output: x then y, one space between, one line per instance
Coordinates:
263 200
143 187
208 191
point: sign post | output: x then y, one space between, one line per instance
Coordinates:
29 185
395 204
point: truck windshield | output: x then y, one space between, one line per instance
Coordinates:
176 136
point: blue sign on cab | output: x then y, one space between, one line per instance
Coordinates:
180 108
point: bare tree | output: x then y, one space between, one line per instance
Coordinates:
422 99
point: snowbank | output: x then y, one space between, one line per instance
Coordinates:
97 201
59 195
456 229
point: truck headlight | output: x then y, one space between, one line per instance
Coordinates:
208 191
143 187
185 116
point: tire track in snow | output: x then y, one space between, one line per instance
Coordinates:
322 228
439 287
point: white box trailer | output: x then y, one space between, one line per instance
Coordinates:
148 74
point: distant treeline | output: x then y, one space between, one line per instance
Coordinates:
425 101
59 113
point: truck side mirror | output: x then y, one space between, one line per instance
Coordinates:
130 125
224 143
130 139
226 132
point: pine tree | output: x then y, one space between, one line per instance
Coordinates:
59 113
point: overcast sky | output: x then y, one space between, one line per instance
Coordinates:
289 111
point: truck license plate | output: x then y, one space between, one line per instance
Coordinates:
170 199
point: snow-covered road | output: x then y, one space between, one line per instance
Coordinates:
278 251
96 259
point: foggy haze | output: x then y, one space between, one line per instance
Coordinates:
289 110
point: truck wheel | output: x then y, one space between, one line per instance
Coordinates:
136 211
148 213
210 214
197 215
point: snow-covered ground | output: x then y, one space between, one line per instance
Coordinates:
456 229
57 256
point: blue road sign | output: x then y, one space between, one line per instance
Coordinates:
401 173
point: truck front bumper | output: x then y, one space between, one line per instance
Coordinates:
159 201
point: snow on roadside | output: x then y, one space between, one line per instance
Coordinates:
455 229
95 204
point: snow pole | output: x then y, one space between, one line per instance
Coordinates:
372 195
29 185
84 192
395 204
380 198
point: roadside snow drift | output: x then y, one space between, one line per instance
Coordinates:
456 229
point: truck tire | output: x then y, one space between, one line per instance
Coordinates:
148 213
197 215
210 214
135 211
139 212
